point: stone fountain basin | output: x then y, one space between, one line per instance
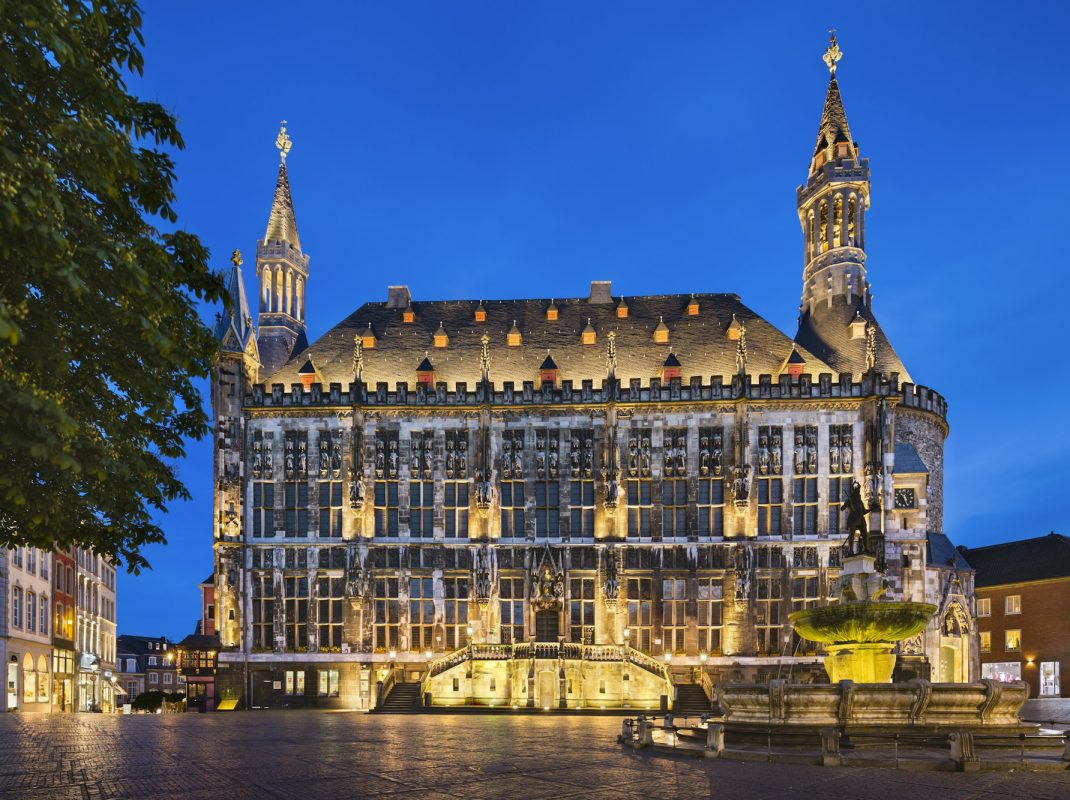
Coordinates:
862 623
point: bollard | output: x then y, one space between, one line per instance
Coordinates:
963 752
625 732
646 732
714 740
830 748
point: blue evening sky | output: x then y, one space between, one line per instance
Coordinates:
481 150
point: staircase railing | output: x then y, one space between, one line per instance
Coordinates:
448 661
707 685
385 687
571 651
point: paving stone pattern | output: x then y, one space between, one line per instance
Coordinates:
340 756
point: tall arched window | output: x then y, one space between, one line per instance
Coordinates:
29 685
823 227
42 679
837 222
276 300
852 212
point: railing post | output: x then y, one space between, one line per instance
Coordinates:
830 748
1066 746
963 752
714 740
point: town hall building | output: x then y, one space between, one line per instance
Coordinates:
572 502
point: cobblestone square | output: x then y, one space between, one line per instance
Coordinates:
339 756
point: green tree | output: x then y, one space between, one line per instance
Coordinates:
100 339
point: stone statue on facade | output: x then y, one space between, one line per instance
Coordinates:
392 461
289 458
484 491
611 582
336 456
741 484
325 457
481 575
551 467
356 491
451 459
548 585
611 476
717 456
380 459
258 463
462 458
846 452
704 455
302 458
763 454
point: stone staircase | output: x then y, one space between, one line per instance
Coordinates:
690 699
403 697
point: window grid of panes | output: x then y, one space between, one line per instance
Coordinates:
421 614
581 610
455 506
330 507
329 596
673 614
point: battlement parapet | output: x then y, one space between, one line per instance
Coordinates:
716 389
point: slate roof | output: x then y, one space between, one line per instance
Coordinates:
942 553
907 460
1026 560
833 127
699 341
282 225
199 641
234 328
825 332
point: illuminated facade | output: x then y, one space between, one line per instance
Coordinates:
577 502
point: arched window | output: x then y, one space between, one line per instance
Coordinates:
852 214
43 630
57 624
299 299
810 237
29 684
837 222
276 300
42 679
823 227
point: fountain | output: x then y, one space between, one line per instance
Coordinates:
859 633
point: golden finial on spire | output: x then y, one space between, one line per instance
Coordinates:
235 257
832 53
283 142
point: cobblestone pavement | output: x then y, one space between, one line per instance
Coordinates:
323 756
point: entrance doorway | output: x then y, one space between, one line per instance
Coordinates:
547 626
263 688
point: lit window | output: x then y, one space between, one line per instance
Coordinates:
984 607
986 641
1012 640
1012 604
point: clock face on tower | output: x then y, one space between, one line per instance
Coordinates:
904 498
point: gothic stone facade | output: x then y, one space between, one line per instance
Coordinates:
433 484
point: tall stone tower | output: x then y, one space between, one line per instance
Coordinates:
836 320
282 273
234 373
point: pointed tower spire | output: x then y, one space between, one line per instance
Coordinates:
282 270
832 205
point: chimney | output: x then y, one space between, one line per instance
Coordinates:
600 292
397 296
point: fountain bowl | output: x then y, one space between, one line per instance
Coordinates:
860 638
